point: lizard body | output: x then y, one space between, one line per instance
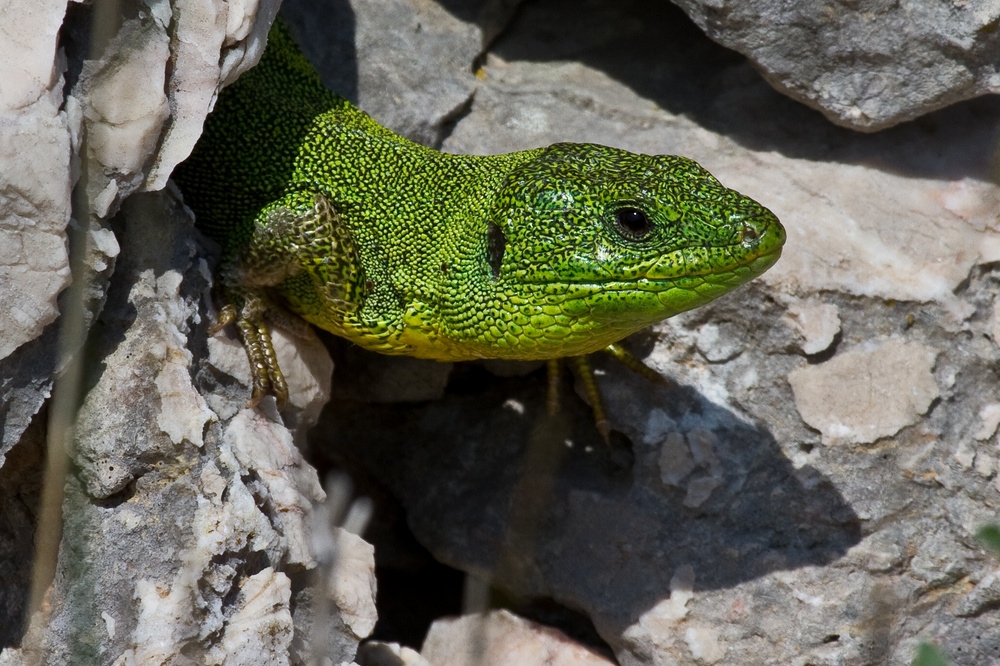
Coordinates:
402 249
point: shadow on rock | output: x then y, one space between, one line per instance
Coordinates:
542 507
656 50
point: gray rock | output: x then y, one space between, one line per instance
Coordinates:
35 149
818 324
186 533
127 120
184 528
723 530
186 515
867 394
499 638
408 64
20 492
867 65
717 527
983 597
376 653
139 117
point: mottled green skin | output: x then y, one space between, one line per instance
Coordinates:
398 247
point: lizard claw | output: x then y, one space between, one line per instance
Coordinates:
266 375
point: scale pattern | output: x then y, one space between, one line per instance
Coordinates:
539 254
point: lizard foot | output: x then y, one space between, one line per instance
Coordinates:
580 365
267 378
626 358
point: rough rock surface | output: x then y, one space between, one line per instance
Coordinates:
35 186
189 528
35 181
500 638
143 76
866 394
806 489
377 653
761 509
865 65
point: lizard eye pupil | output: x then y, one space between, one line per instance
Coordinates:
633 222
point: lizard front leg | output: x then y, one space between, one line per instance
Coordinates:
284 243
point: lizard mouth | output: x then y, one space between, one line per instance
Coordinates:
688 268
731 276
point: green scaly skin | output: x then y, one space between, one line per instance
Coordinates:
402 249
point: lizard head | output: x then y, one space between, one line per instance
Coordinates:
587 244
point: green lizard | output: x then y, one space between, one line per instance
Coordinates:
541 254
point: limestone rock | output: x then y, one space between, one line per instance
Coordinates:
406 63
376 653
192 529
35 149
718 528
142 84
865 65
499 638
816 323
715 528
863 395
35 186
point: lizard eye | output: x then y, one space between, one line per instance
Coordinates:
633 223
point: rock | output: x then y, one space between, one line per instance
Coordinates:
139 127
682 454
816 323
150 449
408 64
124 107
994 329
866 66
715 346
989 416
375 653
194 529
260 631
499 638
20 489
337 610
35 149
212 44
388 379
984 596
860 396
135 108
35 181
351 584
716 491
715 527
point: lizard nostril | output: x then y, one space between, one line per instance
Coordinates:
748 233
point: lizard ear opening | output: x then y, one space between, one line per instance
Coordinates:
496 245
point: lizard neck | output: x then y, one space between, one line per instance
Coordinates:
420 222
